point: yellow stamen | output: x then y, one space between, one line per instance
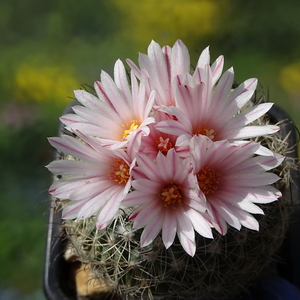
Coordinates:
119 171
208 180
205 131
130 127
171 195
164 145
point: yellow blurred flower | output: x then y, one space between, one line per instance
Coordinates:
290 78
45 83
166 21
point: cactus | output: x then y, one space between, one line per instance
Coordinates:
221 268
115 258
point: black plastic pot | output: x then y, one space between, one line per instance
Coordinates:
58 283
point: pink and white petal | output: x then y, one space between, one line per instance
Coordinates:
264 151
179 114
183 140
135 198
261 150
103 97
168 165
265 194
134 68
198 148
97 203
148 167
146 67
249 207
247 86
147 186
183 96
121 81
207 89
88 100
204 58
180 59
90 208
63 188
72 146
198 205
171 127
88 129
69 119
188 245
246 219
200 224
115 97
184 224
258 164
235 104
149 103
151 210
109 209
160 67
75 168
250 131
151 230
183 172
221 92
217 221
70 210
91 189
251 114
250 179
216 69
95 117
226 213
169 228
138 97
216 156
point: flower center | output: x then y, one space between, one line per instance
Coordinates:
208 180
171 195
130 127
205 131
164 145
119 172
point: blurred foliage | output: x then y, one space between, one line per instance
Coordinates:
270 26
290 78
63 20
48 49
169 20
44 83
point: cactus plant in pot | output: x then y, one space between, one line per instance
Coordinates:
170 184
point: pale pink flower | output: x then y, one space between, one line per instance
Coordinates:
156 141
116 113
95 181
214 111
231 179
160 68
166 196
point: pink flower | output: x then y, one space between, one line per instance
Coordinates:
231 179
96 180
214 111
156 141
167 201
116 113
160 68
201 105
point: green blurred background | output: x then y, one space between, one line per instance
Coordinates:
50 48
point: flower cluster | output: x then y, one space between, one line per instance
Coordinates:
173 146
